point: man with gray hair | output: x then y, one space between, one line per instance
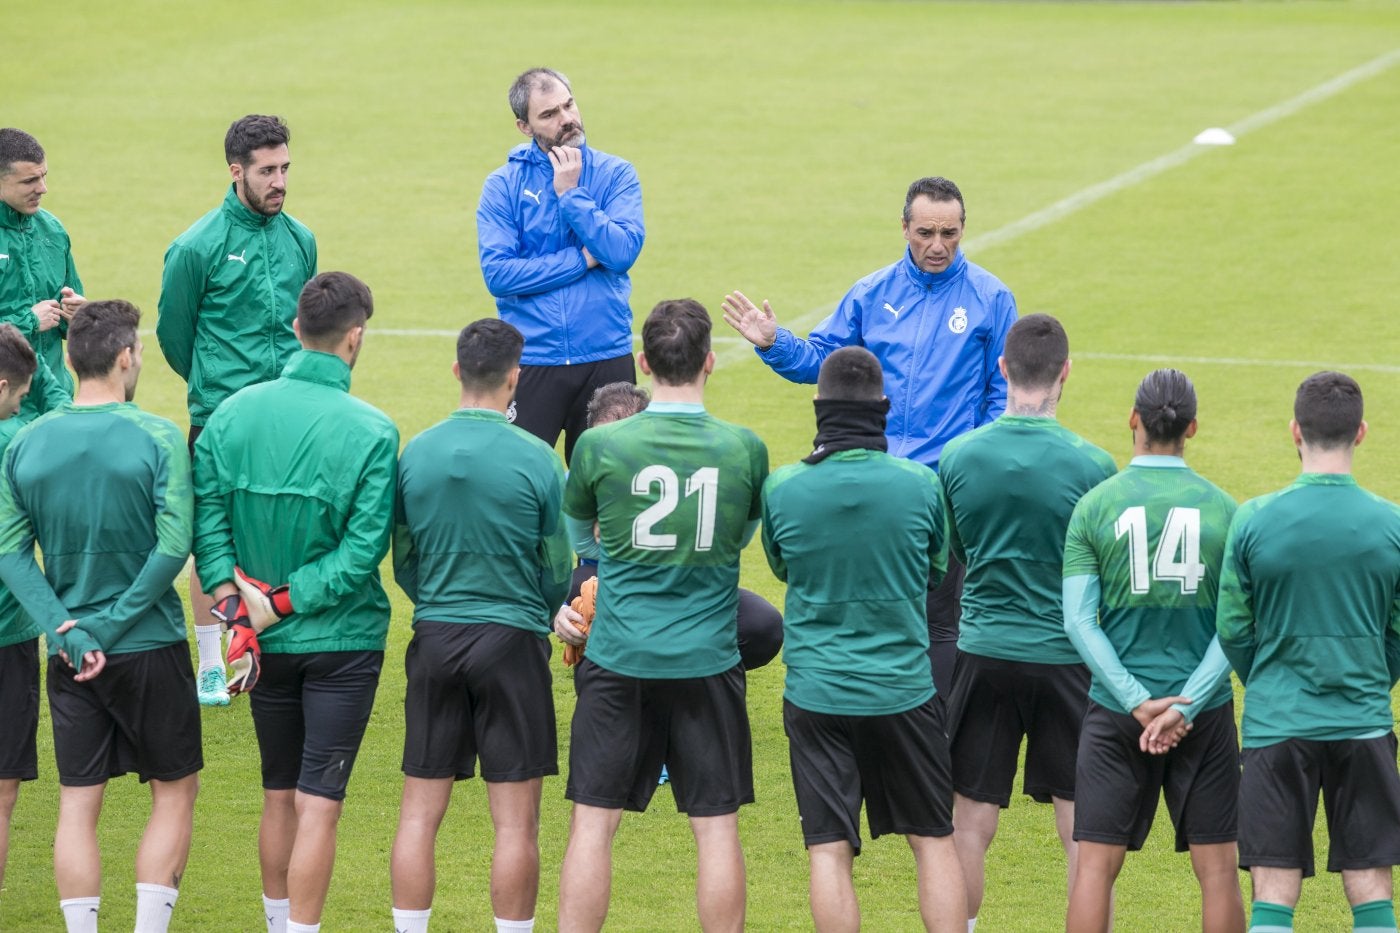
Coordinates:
558 227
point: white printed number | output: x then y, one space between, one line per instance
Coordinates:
1178 554
704 482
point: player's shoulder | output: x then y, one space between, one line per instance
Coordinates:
881 280
50 224
166 432
985 283
205 233
609 162
743 435
957 448
298 230
371 420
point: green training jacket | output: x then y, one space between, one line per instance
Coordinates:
227 298
36 261
294 483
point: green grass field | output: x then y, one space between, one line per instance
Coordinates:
774 141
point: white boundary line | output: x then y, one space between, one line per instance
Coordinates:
1237 361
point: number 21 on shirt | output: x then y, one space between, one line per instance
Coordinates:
704 483
1178 556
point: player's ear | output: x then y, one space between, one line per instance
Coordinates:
1134 420
1001 365
1190 429
709 362
1297 433
1360 434
1064 370
642 363
456 371
235 171
296 328
512 380
524 127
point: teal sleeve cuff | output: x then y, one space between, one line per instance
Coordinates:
581 538
1081 606
1205 681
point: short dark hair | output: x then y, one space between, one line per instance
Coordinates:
487 350
1328 409
255 131
851 374
615 401
17 359
98 333
524 85
1035 352
330 305
676 340
18 146
1165 404
935 188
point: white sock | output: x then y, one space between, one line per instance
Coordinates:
514 926
154 905
80 913
294 927
276 910
411 921
209 640
972 925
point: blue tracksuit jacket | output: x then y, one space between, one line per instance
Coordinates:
531 241
937 336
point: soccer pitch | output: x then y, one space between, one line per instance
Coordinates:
774 141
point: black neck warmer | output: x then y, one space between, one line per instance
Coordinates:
848 425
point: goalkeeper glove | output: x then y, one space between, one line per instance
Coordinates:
244 656
266 605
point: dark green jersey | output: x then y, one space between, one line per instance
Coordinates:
856 538
104 490
478 532
1309 612
15 624
1154 536
1011 486
674 491
296 485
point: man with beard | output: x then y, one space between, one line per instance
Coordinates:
227 299
558 227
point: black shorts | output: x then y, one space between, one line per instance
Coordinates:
993 704
1360 791
310 713
898 764
478 690
195 430
943 607
140 714
1119 784
550 399
625 728
19 710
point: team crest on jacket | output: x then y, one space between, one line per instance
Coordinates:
510 412
958 322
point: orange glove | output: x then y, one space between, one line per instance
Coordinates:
585 604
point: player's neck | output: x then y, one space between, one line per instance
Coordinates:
102 391
491 401
1337 460
1032 404
692 394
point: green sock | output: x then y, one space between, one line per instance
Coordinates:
1270 918
1373 917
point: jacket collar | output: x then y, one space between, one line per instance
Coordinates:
529 152
9 217
935 280
325 369
240 214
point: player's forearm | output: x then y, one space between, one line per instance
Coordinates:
613 235
22 576
1209 676
405 562
1081 596
581 537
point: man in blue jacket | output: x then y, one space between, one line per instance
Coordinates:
558 227
937 324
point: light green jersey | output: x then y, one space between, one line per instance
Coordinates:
674 491
1154 536
1011 487
478 533
1309 611
856 538
104 491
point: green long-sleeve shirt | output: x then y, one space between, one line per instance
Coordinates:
15 624
1011 487
478 532
1309 610
36 262
856 537
104 490
227 298
294 483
